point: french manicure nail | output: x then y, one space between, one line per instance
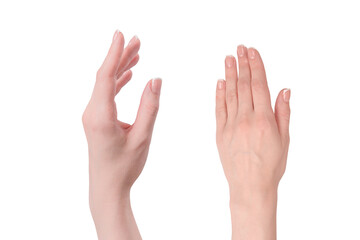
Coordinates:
133 39
241 50
156 85
286 94
116 34
252 53
220 84
229 61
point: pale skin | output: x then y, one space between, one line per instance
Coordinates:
117 150
252 141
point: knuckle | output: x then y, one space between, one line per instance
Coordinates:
243 84
258 85
219 100
151 109
231 96
99 74
243 122
263 122
287 138
84 119
219 96
94 123
284 113
98 126
220 109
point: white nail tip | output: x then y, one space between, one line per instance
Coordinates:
134 39
116 34
284 94
153 81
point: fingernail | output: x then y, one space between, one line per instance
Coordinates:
220 84
116 34
286 94
134 38
156 85
229 61
252 53
241 50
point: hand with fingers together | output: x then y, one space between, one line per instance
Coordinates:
117 150
253 142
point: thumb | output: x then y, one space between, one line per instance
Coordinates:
282 113
149 106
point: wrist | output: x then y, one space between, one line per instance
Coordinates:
103 198
251 196
110 208
106 187
253 213
114 218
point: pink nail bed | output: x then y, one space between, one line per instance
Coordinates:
229 61
252 53
116 34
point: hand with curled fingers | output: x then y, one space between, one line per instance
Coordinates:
117 150
253 142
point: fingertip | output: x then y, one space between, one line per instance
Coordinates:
155 85
135 60
128 73
241 50
118 36
252 52
282 114
135 41
286 92
123 80
230 61
221 112
283 97
220 84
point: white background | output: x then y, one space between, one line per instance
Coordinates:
50 52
